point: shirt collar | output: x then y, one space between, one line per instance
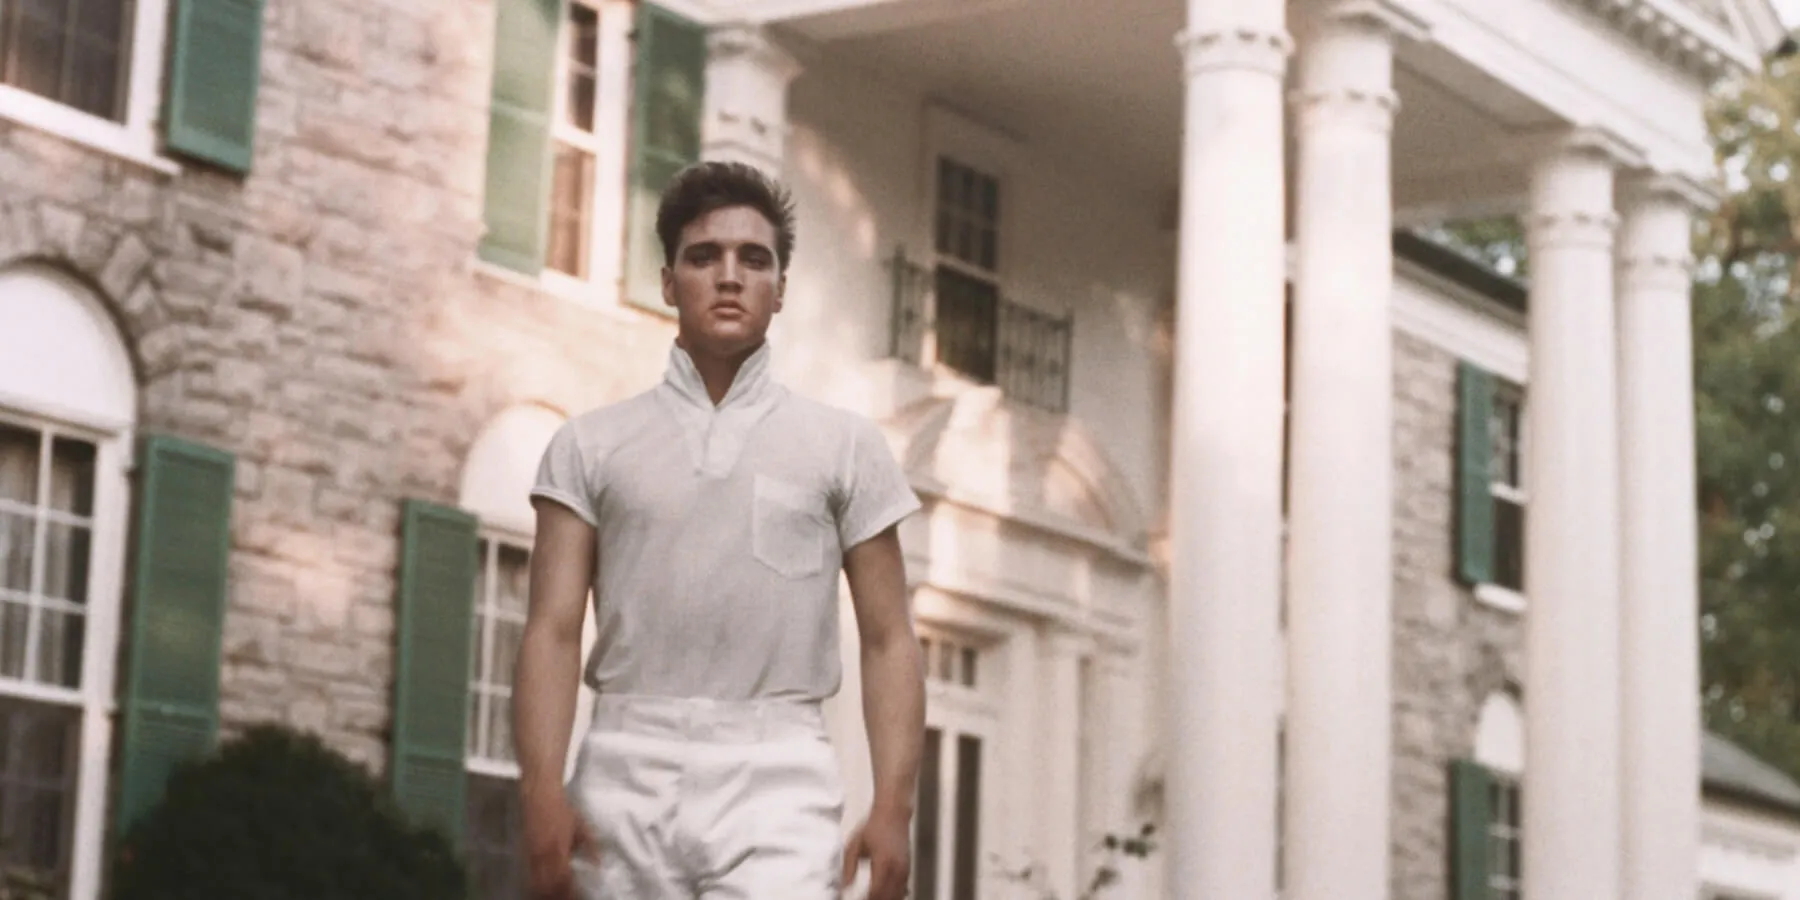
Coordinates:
751 383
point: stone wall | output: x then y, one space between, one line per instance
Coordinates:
324 320
1450 651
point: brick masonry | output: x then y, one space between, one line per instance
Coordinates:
324 320
1450 651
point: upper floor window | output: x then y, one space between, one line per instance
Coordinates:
1491 441
1508 489
75 52
576 145
954 313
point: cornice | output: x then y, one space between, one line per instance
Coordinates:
1676 32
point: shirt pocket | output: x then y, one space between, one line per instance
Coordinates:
787 528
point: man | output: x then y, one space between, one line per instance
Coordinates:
711 516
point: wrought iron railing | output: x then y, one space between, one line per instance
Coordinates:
942 316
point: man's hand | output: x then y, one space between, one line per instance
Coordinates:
554 837
885 840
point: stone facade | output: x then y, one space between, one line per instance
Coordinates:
1450 650
324 320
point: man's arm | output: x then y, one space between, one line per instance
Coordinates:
548 678
893 676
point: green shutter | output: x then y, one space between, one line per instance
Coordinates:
668 103
178 588
1474 475
517 199
431 674
1470 819
215 64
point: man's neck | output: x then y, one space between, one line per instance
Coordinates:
717 371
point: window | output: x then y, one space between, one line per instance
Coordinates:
576 146
501 581
47 482
947 820
75 52
1507 460
1504 872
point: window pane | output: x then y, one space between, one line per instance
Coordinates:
16 539
34 53
507 637
968 667
101 19
925 821
66 553
968 816
583 52
59 648
1509 544
72 476
93 79
500 741
514 583
15 619
967 324
571 201
37 775
18 464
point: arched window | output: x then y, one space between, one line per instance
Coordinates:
1485 807
67 404
496 485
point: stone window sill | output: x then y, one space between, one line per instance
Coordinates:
89 131
1497 597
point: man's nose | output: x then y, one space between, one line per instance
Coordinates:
730 272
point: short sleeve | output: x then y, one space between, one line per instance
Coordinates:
563 475
875 493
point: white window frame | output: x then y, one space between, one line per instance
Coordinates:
1490 593
133 140
94 697
959 711
492 537
603 288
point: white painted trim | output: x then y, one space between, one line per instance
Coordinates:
89 131
1504 599
1092 538
1460 322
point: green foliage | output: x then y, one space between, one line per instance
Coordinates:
276 815
1747 375
1497 242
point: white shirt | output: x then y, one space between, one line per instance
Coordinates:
720 532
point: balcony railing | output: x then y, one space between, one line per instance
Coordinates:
942 316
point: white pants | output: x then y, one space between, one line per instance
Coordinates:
706 799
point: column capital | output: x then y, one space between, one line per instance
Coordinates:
1254 48
751 43
1575 143
1388 18
746 95
1656 189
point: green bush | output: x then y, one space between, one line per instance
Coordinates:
276 815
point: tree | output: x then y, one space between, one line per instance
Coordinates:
1746 354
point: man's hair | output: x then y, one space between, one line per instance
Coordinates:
707 186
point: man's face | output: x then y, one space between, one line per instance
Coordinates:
726 284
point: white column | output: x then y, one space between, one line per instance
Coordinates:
1225 492
1339 785
1058 773
747 77
1660 565
1571 784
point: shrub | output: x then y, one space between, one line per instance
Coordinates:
276 815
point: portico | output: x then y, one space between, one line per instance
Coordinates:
1279 145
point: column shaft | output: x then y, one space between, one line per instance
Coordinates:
1226 455
1571 783
1340 488
1659 603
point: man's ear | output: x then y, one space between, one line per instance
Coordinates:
668 280
780 291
